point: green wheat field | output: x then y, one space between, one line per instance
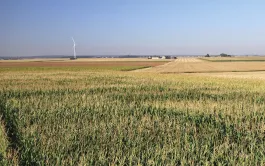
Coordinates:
108 116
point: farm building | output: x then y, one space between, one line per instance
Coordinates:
171 57
162 57
153 57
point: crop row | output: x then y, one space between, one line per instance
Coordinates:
140 119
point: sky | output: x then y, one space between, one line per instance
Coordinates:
135 27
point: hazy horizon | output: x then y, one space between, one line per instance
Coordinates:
31 28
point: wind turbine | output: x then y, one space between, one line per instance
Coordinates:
74 48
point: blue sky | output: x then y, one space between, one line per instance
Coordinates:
121 27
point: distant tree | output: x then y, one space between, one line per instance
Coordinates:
207 55
225 55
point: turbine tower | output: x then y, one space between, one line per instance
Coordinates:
74 48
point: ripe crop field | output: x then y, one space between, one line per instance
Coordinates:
89 116
246 75
196 65
95 63
88 60
236 59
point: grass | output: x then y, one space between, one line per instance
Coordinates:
94 117
3 141
8 155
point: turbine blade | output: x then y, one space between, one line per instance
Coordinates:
73 40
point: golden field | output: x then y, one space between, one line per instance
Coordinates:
196 65
236 58
98 63
85 60
79 115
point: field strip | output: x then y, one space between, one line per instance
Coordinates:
163 65
88 60
246 75
235 59
194 65
80 63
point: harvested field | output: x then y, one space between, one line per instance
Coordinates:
88 60
235 59
194 65
79 63
188 60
